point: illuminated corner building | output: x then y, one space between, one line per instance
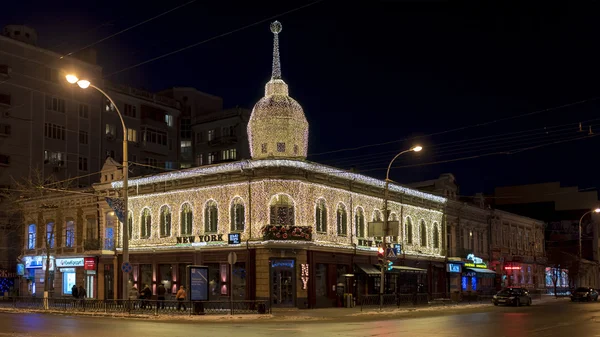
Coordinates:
304 227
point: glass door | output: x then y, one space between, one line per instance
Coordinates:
283 287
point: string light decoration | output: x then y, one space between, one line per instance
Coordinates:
276 163
299 199
277 126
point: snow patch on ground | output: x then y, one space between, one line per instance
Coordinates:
405 310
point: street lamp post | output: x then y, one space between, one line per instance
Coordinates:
597 210
385 218
84 84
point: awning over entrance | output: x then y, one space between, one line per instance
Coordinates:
368 269
405 269
485 272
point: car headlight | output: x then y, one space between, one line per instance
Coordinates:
511 298
585 295
495 297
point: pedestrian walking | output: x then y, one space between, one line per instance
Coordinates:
74 291
133 297
82 294
146 296
161 291
181 298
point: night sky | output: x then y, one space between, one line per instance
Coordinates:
468 79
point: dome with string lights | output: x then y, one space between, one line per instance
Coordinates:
277 126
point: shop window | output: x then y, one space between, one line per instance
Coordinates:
237 215
145 276
436 236
239 281
409 231
282 210
215 281
186 219
359 221
70 234
31 236
211 216
463 283
165 221
321 280
165 274
321 216
423 232
145 223
68 281
474 283
342 220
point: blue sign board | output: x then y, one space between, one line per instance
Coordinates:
282 264
198 276
234 239
398 248
20 269
454 267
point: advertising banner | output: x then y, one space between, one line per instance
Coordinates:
198 276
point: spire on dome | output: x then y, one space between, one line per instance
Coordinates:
276 29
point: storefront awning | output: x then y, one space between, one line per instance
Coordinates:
405 269
489 273
368 269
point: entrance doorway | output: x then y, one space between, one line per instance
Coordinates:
108 282
283 285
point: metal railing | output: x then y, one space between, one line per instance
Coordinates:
155 307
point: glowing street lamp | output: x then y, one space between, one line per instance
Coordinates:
84 84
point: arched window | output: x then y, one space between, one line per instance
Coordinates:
342 220
211 216
321 216
237 215
409 231
145 223
185 219
70 234
436 236
282 210
377 216
50 235
31 236
165 221
130 225
359 220
423 232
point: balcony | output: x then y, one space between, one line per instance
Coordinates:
223 140
109 244
280 232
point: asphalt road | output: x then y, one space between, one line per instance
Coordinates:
559 318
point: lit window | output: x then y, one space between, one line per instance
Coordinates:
31 236
186 219
342 220
210 135
211 217
165 221
70 234
321 216
237 215
132 135
169 120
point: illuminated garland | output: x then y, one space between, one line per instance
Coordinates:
300 195
257 164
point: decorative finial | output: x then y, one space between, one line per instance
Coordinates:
276 29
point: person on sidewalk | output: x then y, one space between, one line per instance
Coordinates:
146 296
133 297
161 291
181 298
81 293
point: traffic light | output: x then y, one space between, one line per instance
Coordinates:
389 265
381 255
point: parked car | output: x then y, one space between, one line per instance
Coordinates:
584 294
512 296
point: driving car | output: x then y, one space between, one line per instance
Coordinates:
512 296
584 294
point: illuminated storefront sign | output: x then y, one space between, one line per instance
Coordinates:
476 262
304 275
454 267
33 261
71 262
89 263
234 239
200 238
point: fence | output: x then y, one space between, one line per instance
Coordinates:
155 307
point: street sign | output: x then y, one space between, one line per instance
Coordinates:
391 254
232 258
126 267
398 248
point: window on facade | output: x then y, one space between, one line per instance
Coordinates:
154 136
228 131
321 216
169 120
54 131
210 159
110 130
282 210
50 235
132 135
186 148
263 148
377 216
31 236
129 110
409 231
186 219
145 223
280 147
211 217
55 104
83 137
108 106
165 221
56 158
70 234
83 111
199 161
83 164
342 220
199 137
237 215
210 135
91 230
130 225
423 233
359 220
436 236
50 74
229 154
